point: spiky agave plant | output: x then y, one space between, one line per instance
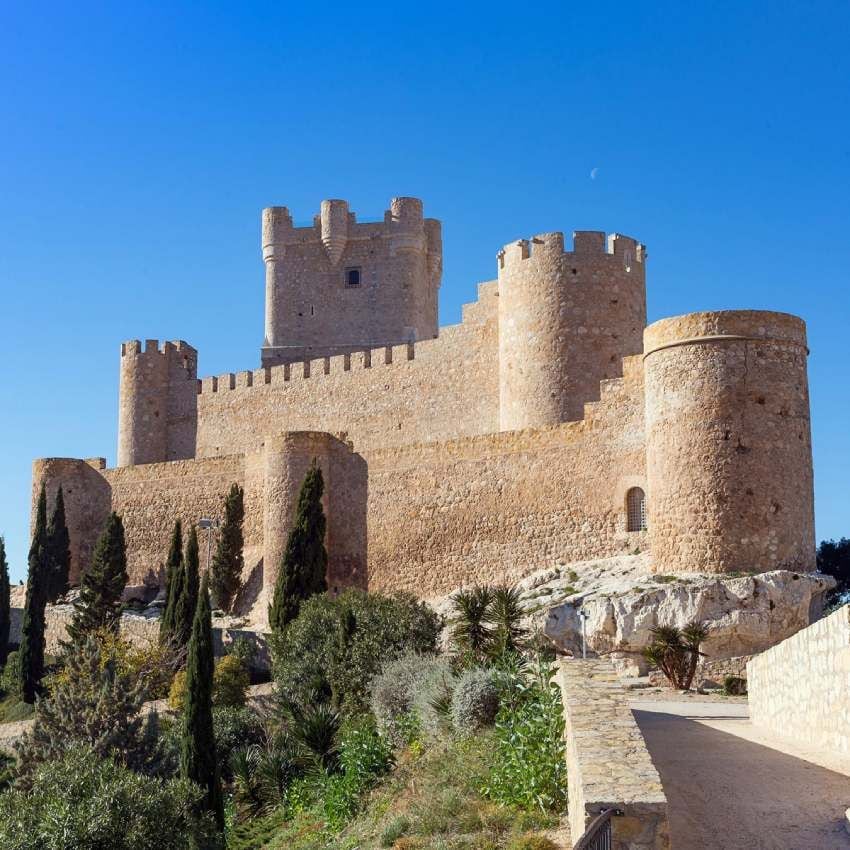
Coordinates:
471 633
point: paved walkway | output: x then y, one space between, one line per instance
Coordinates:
728 790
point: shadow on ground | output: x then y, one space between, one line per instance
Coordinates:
726 793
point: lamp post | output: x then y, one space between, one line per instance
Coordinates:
583 615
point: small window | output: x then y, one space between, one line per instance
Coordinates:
352 277
635 510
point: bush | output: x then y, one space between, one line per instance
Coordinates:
734 686
475 701
529 767
234 727
83 801
10 675
230 682
335 647
230 685
401 695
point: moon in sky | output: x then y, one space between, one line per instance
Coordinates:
593 173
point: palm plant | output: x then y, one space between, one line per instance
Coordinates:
316 729
505 616
262 775
676 652
471 632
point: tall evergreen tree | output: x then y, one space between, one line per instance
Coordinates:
31 653
197 750
226 570
59 550
99 605
5 604
187 594
303 571
173 582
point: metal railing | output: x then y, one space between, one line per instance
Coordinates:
598 835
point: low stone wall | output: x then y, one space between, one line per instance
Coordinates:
140 631
608 765
802 685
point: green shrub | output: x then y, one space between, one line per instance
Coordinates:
230 682
402 694
335 647
529 767
734 686
394 830
10 676
532 841
475 701
234 727
83 801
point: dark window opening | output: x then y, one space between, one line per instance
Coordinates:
352 277
635 510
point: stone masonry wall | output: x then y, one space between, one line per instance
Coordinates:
608 764
498 507
801 687
432 390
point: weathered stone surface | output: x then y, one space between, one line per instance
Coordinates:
623 602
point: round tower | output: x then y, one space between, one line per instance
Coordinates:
728 444
566 321
158 402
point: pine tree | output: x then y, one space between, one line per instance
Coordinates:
304 566
197 750
59 550
187 594
173 582
31 653
99 605
5 604
226 570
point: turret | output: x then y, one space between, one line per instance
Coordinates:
341 285
158 402
566 321
728 445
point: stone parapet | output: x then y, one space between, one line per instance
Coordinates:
801 687
608 764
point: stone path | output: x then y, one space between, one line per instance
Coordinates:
730 788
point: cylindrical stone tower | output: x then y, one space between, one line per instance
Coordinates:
277 230
158 402
728 444
566 321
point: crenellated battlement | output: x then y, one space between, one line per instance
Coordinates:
587 244
134 348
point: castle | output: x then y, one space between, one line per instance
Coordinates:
550 425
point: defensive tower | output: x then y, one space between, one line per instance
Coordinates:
728 443
158 402
566 321
341 286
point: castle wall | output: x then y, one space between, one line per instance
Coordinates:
434 390
312 310
566 321
500 506
728 443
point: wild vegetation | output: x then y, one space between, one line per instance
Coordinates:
373 736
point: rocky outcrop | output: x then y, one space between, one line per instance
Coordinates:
745 614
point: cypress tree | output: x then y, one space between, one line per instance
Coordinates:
226 570
303 570
99 605
187 594
59 550
5 604
31 653
173 582
197 750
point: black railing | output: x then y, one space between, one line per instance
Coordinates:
598 834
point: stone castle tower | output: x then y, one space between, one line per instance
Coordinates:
551 424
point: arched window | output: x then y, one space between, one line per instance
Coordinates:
635 510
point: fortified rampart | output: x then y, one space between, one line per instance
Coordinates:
547 426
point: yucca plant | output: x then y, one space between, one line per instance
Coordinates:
316 729
676 652
471 632
505 616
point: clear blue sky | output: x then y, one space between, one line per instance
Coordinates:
139 141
